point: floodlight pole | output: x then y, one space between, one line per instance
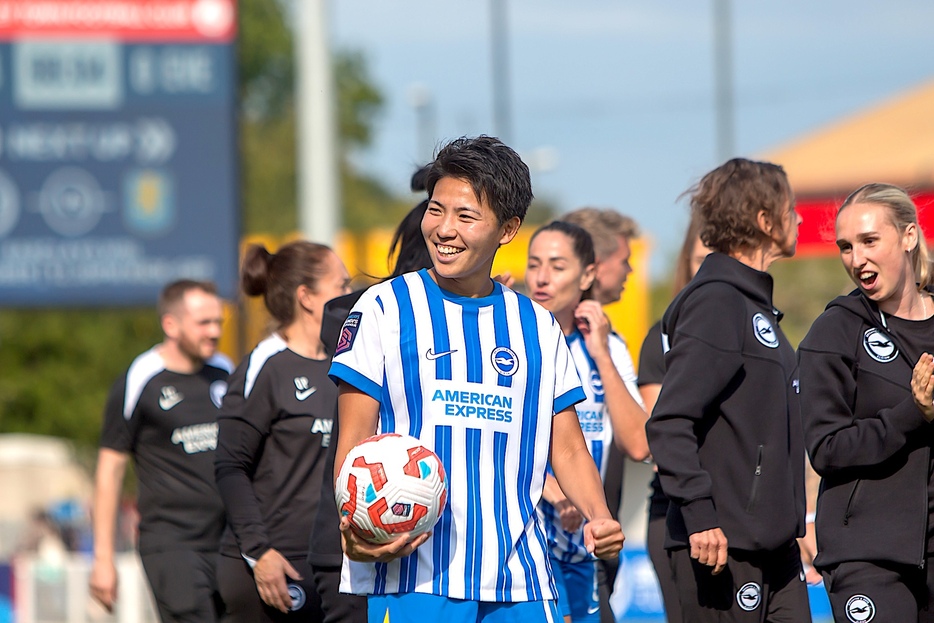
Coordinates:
425 131
499 38
318 185
723 79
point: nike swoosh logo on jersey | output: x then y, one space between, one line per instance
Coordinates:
593 610
167 402
431 355
302 395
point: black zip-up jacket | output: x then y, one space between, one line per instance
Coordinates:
865 437
726 431
273 431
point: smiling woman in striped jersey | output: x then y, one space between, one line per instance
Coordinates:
414 348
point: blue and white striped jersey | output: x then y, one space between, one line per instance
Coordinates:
478 381
598 432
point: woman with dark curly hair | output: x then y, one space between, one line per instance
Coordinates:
725 432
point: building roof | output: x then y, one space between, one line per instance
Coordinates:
891 142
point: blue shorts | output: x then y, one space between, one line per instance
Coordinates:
578 596
419 607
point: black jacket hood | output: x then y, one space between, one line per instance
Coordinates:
718 267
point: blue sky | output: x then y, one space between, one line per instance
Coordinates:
622 92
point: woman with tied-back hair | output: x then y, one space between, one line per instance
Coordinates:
866 394
274 432
725 431
559 275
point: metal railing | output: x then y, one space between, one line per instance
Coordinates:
57 591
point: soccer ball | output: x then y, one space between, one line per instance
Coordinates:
391 484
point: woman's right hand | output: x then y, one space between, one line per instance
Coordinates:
922 385
360 550
710 548
103 583
594 325
270 574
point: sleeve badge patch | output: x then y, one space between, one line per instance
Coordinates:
348 333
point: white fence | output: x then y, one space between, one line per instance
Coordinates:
57 591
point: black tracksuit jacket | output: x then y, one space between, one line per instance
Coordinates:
865 436
726 431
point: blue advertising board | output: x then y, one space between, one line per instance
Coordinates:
118 149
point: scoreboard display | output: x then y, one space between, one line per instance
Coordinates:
118 149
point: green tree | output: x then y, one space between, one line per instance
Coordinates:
358 102
268 130
366 201
58 366
265 59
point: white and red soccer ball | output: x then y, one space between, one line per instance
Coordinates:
391 484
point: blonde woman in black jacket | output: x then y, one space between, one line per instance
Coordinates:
866 402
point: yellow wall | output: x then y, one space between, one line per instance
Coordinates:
365 255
